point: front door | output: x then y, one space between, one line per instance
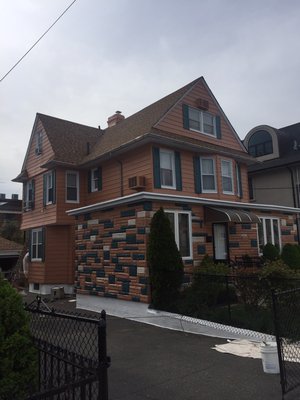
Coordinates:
220 242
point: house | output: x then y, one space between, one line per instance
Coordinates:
10 211
90 194
276 178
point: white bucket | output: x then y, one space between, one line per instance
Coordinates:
269 357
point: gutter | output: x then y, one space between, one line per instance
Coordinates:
150 196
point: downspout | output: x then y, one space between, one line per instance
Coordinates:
294 201
121 177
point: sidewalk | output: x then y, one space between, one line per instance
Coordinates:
140 312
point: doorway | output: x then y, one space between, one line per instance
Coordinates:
220 242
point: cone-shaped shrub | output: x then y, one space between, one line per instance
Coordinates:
18 358
291 255
164 262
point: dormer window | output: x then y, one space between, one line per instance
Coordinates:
38 142
260 144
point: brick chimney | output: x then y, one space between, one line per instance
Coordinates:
115 119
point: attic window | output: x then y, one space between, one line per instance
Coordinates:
201 121
38 142
260 144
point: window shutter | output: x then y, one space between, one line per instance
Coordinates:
156 167
30 244
218 127
178 171
99 178
185 114
33 193
239 177
43 243
44 189
54 186
89 181
197 175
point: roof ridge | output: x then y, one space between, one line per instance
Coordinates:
67 121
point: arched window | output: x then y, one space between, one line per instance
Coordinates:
260 144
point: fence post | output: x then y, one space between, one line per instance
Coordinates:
228 298
278 341
103 361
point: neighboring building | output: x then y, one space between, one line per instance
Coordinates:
180 153
10 210
276 178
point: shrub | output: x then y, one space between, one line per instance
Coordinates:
165 263
250 287
270 252
291 255
279 276
17 354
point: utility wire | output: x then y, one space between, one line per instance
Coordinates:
40 38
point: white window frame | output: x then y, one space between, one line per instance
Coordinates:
227 176
238 180
214 175
172 154
38 142
201 114
27 202
49 177
36 232
176 227
263 222
77 186
94 180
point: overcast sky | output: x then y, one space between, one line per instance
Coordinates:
104 56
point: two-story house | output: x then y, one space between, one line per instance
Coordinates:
275 179
89 195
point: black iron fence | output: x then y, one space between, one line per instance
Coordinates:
286 305
240 300
72 354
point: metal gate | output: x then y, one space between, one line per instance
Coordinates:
286 306
72 355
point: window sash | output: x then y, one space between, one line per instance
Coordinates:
37 244
227 177
167 169
208 175
72 187
49 188
269 232
202 121
94 179
181 227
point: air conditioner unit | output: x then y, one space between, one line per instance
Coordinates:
57 293
202 104
137 182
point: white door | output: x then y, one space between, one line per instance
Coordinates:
220 241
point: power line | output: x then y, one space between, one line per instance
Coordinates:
40 38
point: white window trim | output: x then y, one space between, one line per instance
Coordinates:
215 178
32 244
263 221
77 186
176 227
27 202
238 180
201 130
94 188
173 168
50 173
225 176
38 143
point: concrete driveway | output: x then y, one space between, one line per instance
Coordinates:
149 362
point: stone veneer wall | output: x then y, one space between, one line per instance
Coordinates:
111 247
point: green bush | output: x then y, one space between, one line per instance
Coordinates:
270 252
291 255
165 263
18 366
251 288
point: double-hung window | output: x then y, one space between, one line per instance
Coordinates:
202 121
208 175
37 244
167 169
28 195
49 187
227 176
269 232
72 187
38 143
181 225
95 179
